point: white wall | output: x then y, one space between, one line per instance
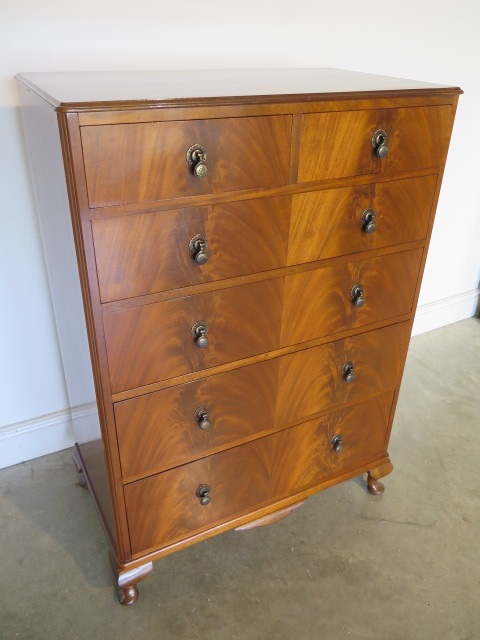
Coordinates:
424 40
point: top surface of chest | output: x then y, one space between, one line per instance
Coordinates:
105 90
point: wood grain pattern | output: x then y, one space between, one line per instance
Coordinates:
143 254
148 253
418 137
336 145
327 223
323 295
311 381
158 431
149 343
147 161
154 342
165 508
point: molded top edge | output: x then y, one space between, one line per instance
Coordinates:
142 89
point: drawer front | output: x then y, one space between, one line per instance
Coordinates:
154 342
127 163
164 508
166 429
146 253
339 144
319 302
330 223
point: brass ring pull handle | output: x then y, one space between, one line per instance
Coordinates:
197 157
348 372
337 443
201 416
368 221
202 493
357 295
379 143
199 330
198 246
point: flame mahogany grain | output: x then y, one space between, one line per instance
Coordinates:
158 431
149 343
127 163
254 474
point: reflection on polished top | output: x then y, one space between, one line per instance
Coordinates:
74 90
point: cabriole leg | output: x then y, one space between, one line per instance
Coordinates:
375 487
127 580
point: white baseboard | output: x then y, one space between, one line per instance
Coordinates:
42 435
447 311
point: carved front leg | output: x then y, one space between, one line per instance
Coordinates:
374 486
127 580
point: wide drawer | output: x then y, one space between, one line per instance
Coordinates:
180 424
127 163
165 508
339 144
146 344
146 253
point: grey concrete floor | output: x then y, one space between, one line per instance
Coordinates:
405 565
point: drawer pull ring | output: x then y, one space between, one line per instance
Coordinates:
202 493
201 416
197 156
337 443
199 330
357 295
348 372
368 221
379 143
198 245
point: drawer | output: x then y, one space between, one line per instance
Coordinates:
330 223
166 429
319 302
165 508
339 144
146 253
127 163
155 342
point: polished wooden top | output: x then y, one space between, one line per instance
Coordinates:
81 90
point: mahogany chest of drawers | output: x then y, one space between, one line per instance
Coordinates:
250 247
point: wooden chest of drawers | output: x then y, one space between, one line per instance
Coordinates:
250 247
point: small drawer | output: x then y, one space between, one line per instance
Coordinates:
175 504
174 426
127 163
343 143
336 222
146 344
324 301
147 253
